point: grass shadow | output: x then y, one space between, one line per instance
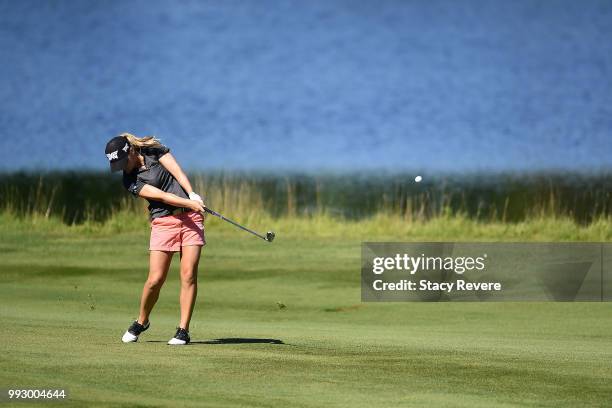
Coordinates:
231 340
10 273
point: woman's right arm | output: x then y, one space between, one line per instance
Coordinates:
154 193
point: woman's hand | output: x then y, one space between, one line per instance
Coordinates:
194 196
196 206
154 193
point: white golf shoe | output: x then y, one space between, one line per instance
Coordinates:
131 335
181 337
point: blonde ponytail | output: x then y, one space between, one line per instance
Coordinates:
138 142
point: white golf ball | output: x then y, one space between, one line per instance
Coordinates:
418 179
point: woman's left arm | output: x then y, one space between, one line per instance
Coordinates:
168 161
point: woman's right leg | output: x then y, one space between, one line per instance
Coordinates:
159 263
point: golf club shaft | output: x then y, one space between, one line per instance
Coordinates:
216 214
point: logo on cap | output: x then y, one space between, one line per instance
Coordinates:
115 155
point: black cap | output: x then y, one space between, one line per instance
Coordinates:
117 152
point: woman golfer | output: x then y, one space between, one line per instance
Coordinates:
177 223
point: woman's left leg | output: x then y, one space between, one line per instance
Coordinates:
190 258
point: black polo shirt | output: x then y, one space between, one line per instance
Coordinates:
156 175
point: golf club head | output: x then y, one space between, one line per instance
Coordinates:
270 236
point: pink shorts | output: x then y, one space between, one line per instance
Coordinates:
172 232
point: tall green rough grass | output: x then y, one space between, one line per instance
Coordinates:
379 227
540 207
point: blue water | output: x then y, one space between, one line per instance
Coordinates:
310 85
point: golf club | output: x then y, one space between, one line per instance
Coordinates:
268 237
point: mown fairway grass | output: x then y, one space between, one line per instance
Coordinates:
68 294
